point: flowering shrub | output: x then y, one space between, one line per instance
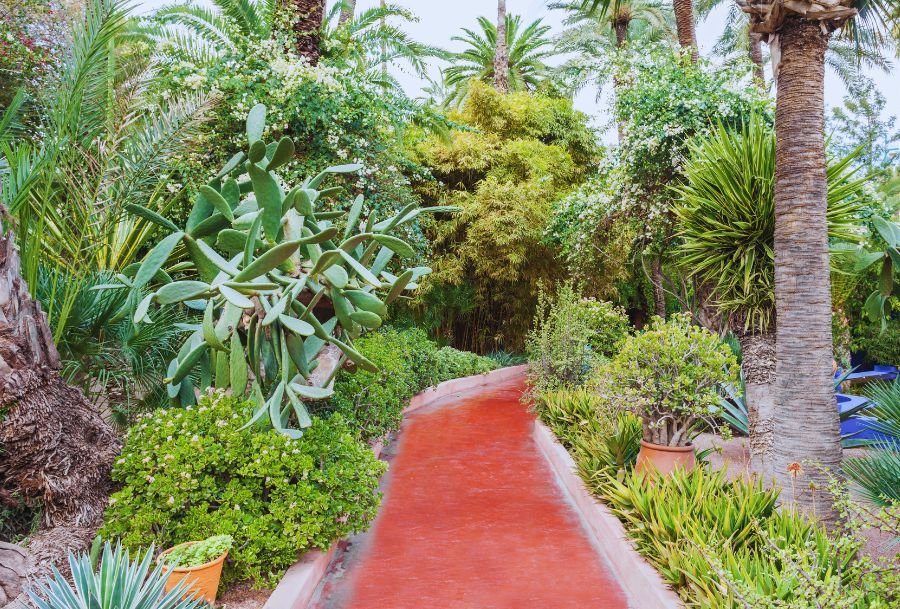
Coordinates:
670 375
187 474
31 38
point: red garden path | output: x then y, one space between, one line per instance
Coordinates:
472 518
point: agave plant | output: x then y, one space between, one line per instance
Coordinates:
281 261
118 582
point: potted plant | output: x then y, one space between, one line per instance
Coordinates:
670 375
199 563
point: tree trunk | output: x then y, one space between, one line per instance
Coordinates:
348 8
684 23
56 449
621 28
807 427
659 294
501 52
756 56
305 20
758 365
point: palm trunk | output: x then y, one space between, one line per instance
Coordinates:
659 293
348 8
305 19
758 365
807 428
621 27
684 23
756 56
501 52
56 449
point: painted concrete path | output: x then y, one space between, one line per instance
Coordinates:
472 519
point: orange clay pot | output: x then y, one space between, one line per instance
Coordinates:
664 459
202 581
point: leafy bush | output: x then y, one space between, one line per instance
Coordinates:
190 473
118 582
408 362
570 334
199 553
670 376
881 347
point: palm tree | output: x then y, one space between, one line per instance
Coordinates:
305 20
501 51
348 9
726 222
807 426
845 57
684 18
527 48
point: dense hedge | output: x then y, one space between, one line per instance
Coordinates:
187 474
408 362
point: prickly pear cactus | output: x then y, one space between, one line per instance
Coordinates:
260 260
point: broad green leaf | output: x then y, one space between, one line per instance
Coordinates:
231 192
297 353
297 326
235 297
223 372
276 310
268 260
218 201
362 271
325 260
303 418
355 356
152 216
399 285
155 259
179 291
213 256
209 328
336 276
283 153
889 231
353 216
398 246
252 240
172 390
304 200
312 393
367 301
199 212
140 313
268 197
351 168
211 226
256 123
187 363
232 240
257 151
366 319
231 165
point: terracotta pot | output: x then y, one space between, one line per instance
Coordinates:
664 459
202 581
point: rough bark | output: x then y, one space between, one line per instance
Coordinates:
684 24
659 293
807 428
758 365
501 52
57 449
305 19
348 8
13 566
621 28
756 56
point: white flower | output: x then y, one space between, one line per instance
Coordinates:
171 500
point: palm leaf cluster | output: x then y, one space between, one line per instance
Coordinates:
877 474
726 218
527 46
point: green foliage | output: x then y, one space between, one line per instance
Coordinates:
670 375
569 334
726 217
199 553
32 35
604 437
190 473
879 303
882 346
408 362
519 153
276 249
877 473
861 122
118 582
527 49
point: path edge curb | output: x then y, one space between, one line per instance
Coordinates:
642 584
300 582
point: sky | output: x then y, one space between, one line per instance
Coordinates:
439 20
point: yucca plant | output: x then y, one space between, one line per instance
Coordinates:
261 265
117 583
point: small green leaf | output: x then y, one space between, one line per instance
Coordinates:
284 152
235 297
179 291
398 246
312 393
218 201
185 365
231 165
140 313
297 326
304 200
367 301
209 328
232 240
268 197
360 269
257 151
270 259
366 319
336 276
399 285
353 216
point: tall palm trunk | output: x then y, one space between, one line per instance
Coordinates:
756 56
501 52
684 23
348 8
56 449
758 366
659 292
620 25
807 426
305 19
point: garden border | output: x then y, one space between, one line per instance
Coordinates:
302 579
641 583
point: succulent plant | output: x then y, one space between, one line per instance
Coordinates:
262 261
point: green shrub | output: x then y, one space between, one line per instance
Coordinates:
408 362
670 375
200 553
880 347
190 473
570 334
